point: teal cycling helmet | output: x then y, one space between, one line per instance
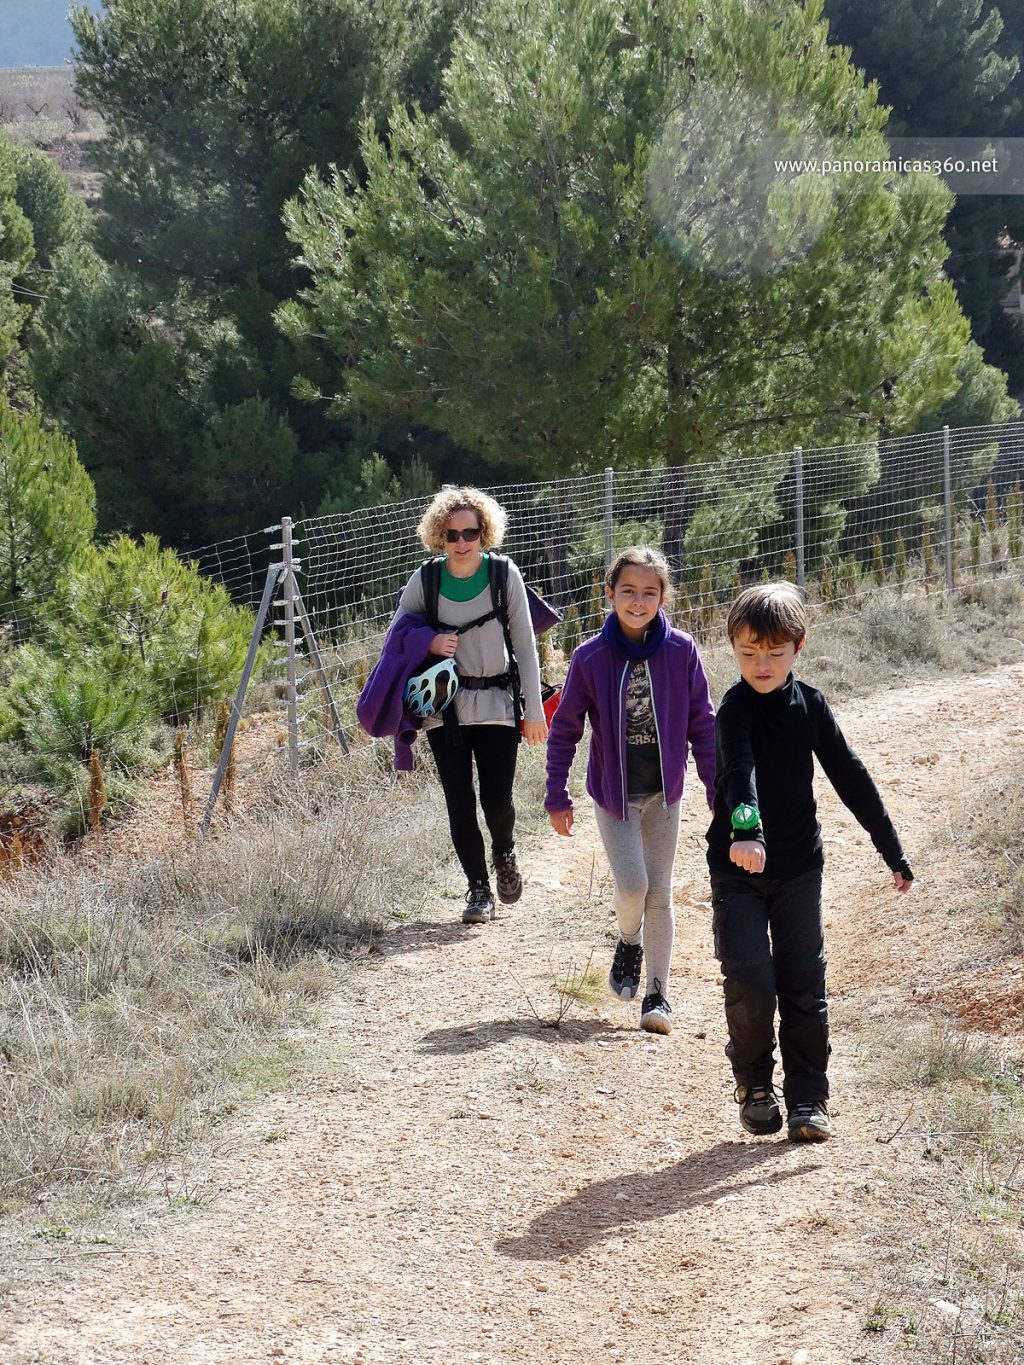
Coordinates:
429 691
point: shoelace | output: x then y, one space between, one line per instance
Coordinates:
628 957
801 1112
655 1000
761 1094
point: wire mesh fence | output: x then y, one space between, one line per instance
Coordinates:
911 514
916 513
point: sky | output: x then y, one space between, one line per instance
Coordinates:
36 32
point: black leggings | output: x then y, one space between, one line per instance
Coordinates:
495 748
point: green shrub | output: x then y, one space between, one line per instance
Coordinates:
46 512
154 623
63 708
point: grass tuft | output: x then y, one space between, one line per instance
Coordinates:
131 993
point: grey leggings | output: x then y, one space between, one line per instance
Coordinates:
641 851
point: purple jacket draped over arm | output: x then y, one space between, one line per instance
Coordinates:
380 709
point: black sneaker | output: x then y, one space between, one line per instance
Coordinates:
759 1109
809 1122
479 904
624 977
656 1012
508 879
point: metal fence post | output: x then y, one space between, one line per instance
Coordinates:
273 578
292 697
798 469
947 484
609 477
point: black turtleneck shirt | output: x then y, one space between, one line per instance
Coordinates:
765 748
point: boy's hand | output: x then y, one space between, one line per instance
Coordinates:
561 821
535 731
902 883
748 854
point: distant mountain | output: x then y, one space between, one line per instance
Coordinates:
36 32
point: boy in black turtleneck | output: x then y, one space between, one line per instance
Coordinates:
765 856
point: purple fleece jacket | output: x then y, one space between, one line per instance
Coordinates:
596 687
380 709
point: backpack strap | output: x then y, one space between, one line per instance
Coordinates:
498 574
430 577
497 566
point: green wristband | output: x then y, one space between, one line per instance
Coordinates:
746 817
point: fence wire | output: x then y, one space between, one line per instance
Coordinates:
911 513
914 513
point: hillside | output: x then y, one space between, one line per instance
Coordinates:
36 32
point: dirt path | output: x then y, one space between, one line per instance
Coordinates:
458 1184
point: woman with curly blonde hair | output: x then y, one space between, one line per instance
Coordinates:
464 526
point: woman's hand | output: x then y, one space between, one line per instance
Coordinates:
748 854
561 821
535 731
444 646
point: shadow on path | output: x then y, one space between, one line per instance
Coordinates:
462 1038
613 1206
412 936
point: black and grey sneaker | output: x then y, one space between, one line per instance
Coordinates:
508 880
759 1109
656 1012
809 1122
624 977
479 904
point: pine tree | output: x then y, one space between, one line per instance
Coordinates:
951 68
927 556
705 617
975 535
553 236
877 561
899 563
46 512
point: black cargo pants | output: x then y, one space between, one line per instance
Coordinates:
769 939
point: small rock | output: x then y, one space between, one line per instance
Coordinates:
800 1357
947 1309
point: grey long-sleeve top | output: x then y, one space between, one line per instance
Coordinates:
481 652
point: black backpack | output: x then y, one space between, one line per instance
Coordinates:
497 577
542 614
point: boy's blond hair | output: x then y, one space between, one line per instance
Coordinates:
772 613
489 514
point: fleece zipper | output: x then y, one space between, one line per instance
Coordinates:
622 737
657 732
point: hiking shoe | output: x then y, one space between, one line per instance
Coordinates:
508 880
479 904
624 977
809 1122
656 1012
759 1109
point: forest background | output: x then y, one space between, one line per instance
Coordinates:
288 257
340 251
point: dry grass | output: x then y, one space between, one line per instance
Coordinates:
136 999
885 639
993 828
959 1101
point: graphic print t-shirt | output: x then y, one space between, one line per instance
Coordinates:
643 757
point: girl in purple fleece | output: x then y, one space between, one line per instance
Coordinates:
642 684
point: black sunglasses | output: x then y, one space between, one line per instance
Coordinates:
469 534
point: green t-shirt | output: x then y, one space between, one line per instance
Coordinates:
464 589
